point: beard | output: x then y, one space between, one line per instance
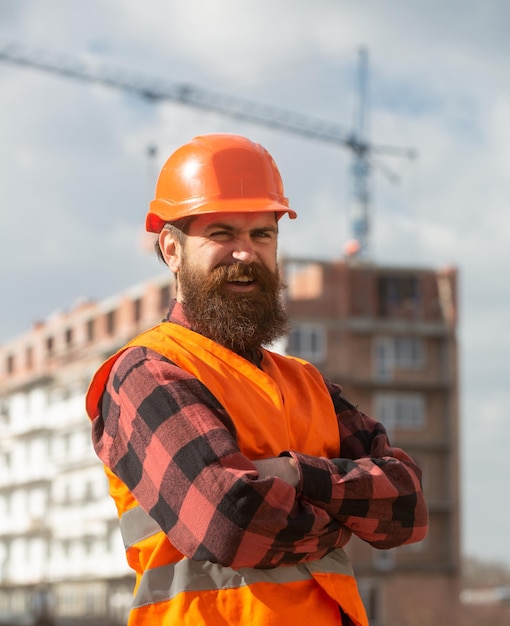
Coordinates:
241 322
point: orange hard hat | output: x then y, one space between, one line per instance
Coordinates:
217 174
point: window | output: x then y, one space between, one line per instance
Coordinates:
308 341
398 294
409 352
137 309
5 460
90 330
67 495
400 411
7 505
110 322
384 359
4 412
50 345
88 544
29 357
399 352
9 364
88 495
164 298
66 547
68 337
384 560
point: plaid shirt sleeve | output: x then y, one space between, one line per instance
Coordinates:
373 489
174 446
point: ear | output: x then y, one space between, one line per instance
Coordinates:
171 250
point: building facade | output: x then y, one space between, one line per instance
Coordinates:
60 548
388 335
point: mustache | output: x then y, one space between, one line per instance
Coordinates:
237 270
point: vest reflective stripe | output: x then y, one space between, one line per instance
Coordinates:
136 525
164 583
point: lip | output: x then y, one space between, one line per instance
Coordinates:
241 285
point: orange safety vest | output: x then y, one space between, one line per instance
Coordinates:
284 405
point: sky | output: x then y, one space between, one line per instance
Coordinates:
79 161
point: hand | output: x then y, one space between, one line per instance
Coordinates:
283 467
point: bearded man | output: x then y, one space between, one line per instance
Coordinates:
239 474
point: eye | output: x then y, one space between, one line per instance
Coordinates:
220 235
262 234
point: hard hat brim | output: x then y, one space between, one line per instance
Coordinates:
160 210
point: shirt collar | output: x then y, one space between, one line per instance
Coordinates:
176 314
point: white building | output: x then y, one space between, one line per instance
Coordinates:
59 535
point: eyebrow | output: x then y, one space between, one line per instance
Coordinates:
230 228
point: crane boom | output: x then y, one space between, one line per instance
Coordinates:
182 93
157 90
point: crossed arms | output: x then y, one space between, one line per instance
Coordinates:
173 445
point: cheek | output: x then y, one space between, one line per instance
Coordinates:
269 259
214 256
203 259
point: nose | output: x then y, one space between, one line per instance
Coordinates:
244 250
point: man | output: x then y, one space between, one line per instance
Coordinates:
239 474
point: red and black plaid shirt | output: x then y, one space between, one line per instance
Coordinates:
174 446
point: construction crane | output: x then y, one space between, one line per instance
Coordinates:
157 90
